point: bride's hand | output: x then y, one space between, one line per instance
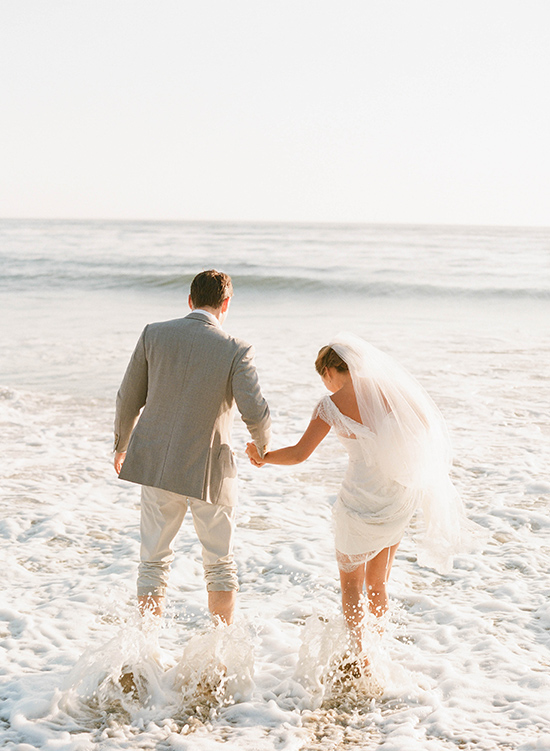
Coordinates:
253 455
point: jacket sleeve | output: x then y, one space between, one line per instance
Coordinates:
250 402
131 395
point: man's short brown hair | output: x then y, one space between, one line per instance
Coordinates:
211 288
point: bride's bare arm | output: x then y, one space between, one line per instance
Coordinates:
315 432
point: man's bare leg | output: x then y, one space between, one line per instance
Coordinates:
222 605
153 604
147 604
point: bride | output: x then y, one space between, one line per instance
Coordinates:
399 461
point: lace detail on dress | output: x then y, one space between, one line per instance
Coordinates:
348 563
328 412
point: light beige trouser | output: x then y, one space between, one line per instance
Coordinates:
162 513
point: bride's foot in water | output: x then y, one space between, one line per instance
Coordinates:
352 667
370 685
356 672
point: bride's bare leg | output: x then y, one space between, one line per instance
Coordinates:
352 602
377 573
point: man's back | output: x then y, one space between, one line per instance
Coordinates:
187 374
184 377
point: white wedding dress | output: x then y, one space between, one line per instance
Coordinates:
372 511
399 462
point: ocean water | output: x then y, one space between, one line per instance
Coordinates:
465 658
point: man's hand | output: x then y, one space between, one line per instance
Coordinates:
120 456
253 455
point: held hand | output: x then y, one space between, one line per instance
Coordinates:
253 455
120 456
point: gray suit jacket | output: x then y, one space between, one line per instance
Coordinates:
186 376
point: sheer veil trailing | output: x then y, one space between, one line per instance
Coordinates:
411 445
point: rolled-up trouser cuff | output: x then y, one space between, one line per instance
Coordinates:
153 578
221 577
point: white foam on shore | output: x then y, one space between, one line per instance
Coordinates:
464 662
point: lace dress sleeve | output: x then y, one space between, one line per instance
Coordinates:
328 412
321 411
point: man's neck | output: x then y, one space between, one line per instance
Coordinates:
216 312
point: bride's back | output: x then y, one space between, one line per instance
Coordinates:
346 402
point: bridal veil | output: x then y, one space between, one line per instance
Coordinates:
411 445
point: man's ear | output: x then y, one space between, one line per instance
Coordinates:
225 304
190 302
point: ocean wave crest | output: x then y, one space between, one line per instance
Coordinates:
278 283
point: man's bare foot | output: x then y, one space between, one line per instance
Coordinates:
128 683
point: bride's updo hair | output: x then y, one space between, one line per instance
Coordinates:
327 358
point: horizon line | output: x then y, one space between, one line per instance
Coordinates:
278 222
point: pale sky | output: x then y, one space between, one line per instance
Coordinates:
414 111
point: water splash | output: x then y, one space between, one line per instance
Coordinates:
217 666
115 679
334 672
130 680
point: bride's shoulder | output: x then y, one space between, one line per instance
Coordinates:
324 409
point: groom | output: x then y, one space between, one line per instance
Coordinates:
184 377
